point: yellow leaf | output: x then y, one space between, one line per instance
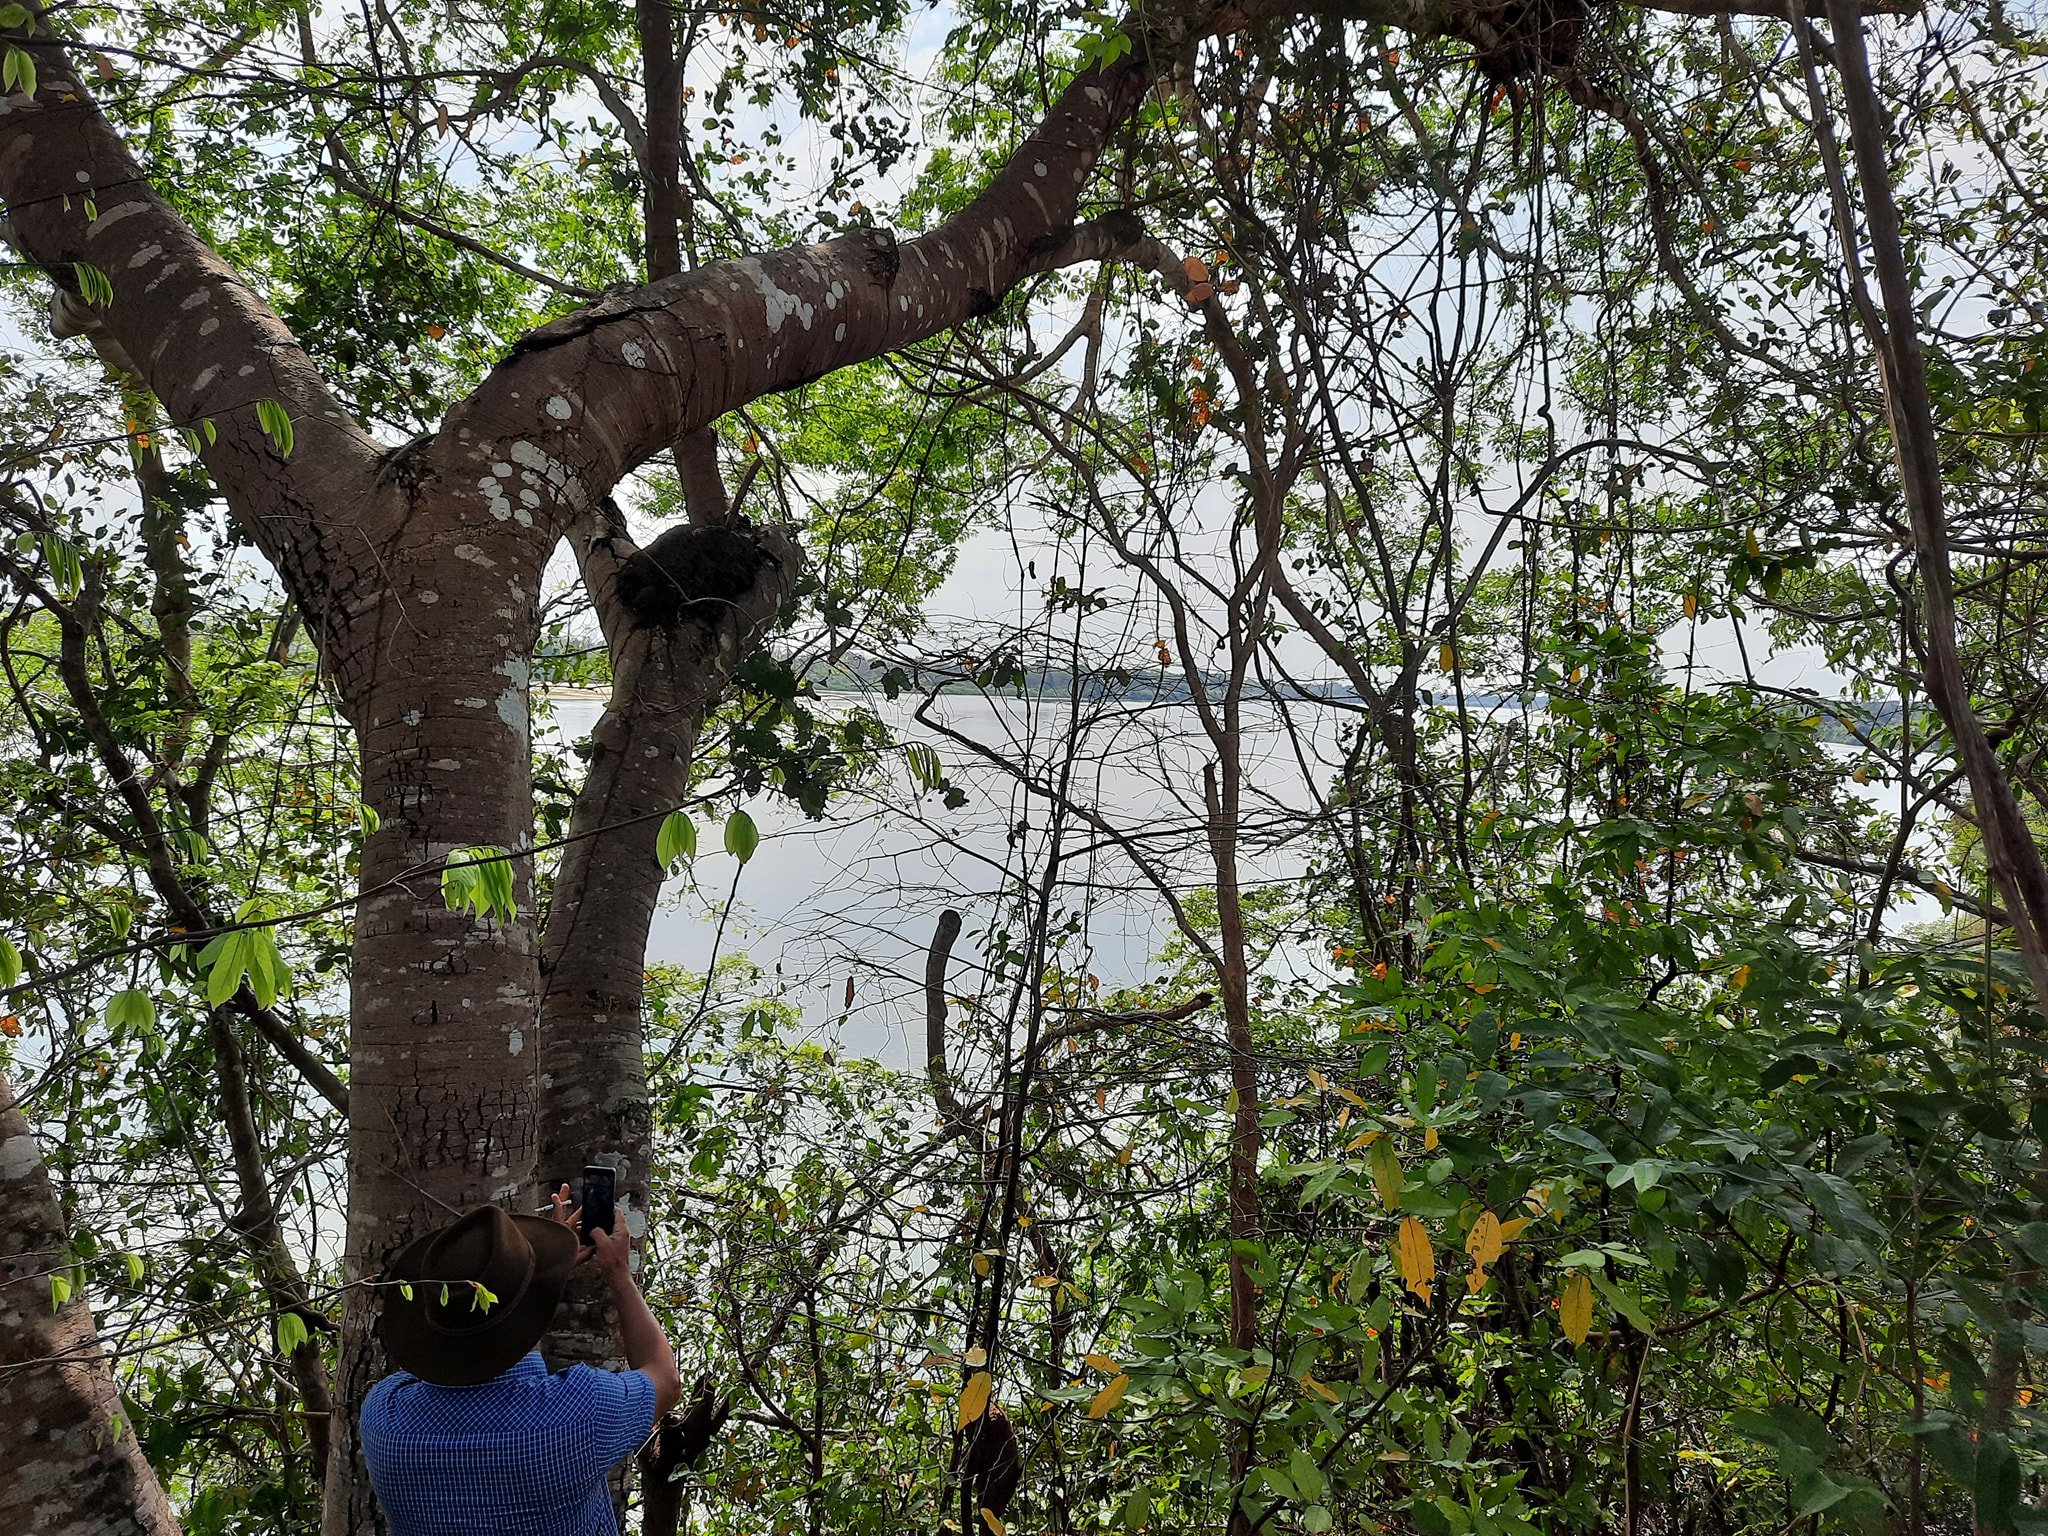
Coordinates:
974 1397
1446 657
1103 1363
1415 1256
1486 1239
1692 605
994 1522
1318 1079
1510 1230
1361 1140
1429 1139
1740 977
1749 542
1045 1282
1111 1394
1254 1375
1575 1308
1316 1387
1475 1280
975 1358
1387 1176
1346 1094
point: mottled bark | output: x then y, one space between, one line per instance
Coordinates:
593 1073
73 1467
443 1004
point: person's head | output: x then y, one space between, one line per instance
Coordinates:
448 1330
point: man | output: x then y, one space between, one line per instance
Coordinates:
472 1435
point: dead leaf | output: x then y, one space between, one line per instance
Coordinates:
1111 1394
974 1397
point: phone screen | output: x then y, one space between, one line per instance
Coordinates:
600 1197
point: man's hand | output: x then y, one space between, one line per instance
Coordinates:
570 1216
614 1256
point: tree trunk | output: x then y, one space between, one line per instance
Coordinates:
2010 852
73 1467
592 1064
444 1004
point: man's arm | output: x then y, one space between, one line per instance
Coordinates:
647 1347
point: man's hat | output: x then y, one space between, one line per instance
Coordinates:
447 1333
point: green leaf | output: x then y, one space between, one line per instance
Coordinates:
60 1289
742 837
135 1268
479 880
13 17
132 1009
94 286
276 422
368 820
291 1331
1997 1490
230 964
18 70
676 840
10 963
269 976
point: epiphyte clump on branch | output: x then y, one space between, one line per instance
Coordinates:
1525 37
694 570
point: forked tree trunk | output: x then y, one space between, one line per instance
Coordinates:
73 1467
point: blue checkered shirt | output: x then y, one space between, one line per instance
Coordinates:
523 1454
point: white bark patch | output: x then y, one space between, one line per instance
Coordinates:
471 703
430 597
1038 167
839 331
206 376
515 1042
475 556
165 273
562 482
195 298
634 354
778 304
208 326
18 1155
559 407
145 256
113 216
512 702
495 499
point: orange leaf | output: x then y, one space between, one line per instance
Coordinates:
1111 1394
974 1397
1575 1307
1415 1256
1486 1240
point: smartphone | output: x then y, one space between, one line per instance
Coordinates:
600 1199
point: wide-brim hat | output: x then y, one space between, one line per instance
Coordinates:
448 1333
